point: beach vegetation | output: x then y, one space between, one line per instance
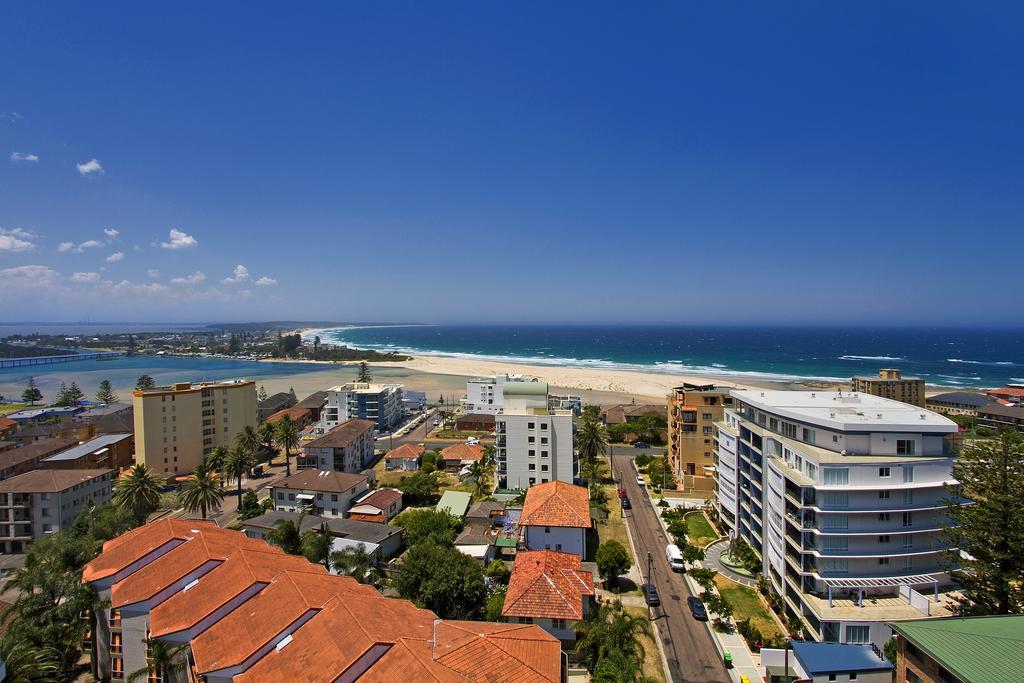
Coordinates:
105 394
363 375
138 492
988 534
144 382
443 580
31 395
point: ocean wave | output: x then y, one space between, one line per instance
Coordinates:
871 358
980 362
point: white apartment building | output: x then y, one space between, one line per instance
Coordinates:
378 403
534 443
841 494
486 394
42 502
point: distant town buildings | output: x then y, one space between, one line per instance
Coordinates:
534 443
42 502
890 383
693 410
274 403
322 493
1008 395
378 403
556 516
958 403
1001 417
842 495
176 426
347 447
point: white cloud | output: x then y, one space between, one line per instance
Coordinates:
193 279
153 273
90 244
28 275
115 257
241 274
111 233
85 277
266 282
15 240
23 156
91 166
64 247
179 240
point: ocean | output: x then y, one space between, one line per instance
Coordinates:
953 357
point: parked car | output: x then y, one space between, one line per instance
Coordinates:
437 423
622 493
697 608
675 558
641 444
651 595
639 480
472 441
626 505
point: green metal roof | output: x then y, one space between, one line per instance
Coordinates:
974 649
526 389
455 502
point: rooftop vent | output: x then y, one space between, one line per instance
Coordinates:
284 643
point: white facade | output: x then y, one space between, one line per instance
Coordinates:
486 394
319 503
378 403
842 496
28 512
534 444
571 540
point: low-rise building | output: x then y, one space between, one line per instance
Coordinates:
1001 417
29 415
551 590
629 412
475 422
455 503
44 501
302 417
556 516
378 403
890 383
7 427
454 458
273 404
379 505
811 662
413 401
326 493
348 447
63 428
384 540
958 403
406 457
15 461
110 451
1011 395
315 403
234 608
960 650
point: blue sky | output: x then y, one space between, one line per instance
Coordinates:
680 162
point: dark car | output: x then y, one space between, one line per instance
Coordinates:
697 608
641 444
651 595
626 505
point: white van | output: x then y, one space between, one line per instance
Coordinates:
675 558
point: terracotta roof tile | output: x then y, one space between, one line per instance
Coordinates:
295 414
547 584
121 552
556 503
381 498
406 451
486 651
462 451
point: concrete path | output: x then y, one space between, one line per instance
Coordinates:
713 560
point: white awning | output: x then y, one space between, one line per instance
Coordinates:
304 496
883 582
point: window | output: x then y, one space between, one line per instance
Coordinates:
908 475
913 677
832 677
836 499
789 430
334 497
908 519
883 561
858 634
835 476
547 530
543 454
543 426
532 453
835 438
532 466
558 624
543 468
884 471
853 675
883 538
883 495
904 446
808 435
883 517
531 439
908 497
530 425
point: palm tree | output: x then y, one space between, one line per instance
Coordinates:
266 433
287 535
316 546
237 463
286 434
479 474
592 440
202 491
25 661
248 440
356 562
162 661
215 458
610 631
138 491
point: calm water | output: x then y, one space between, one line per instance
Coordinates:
951 357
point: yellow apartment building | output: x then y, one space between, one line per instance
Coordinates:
891 383
693 410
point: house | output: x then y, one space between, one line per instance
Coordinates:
302 417
244 611
960 650
1001 417
379 505
477 540
44 501
346 448
274 403
475 422
454 458
112 418
549 589
628 412
958 403
413 401
455 503
16 461
110 451
1008 395
383 540
490 511
813 662
406 457
7 426
314 403
326 493
556 516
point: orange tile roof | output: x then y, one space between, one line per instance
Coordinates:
381 498
410 660
406 451
556 503
329 481
1006 391
121 552
294 414
361 517
462 451
7 423
486 651
547 585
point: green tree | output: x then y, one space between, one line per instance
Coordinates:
248 440
419 488
705 578
144 382
25 661
364 373
428 526
31 394
443 580
202 491
478 473
62 398
138 492
497 570
357 562
988 535
105 394
266 433
286 435
611 632
216 457
717 605
495 603
74 395
592 441
316 545
251 506
236 465
591 412
612 562
286 534
261 395
165 661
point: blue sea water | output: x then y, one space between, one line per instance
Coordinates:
954 357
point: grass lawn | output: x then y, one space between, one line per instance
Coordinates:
699 529
13 407
746 604
652 656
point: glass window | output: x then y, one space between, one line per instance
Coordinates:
904 446
884 471
858 634
835 476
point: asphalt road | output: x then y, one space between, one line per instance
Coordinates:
691 654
